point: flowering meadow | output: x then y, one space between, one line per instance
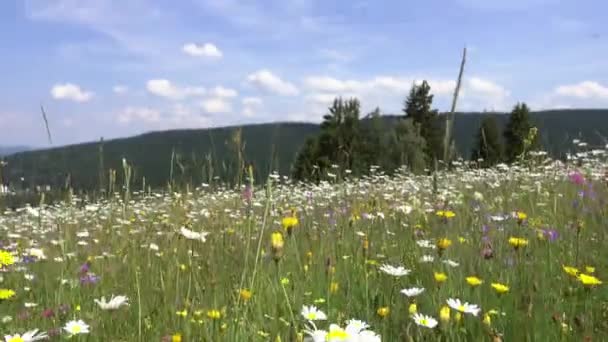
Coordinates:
513 253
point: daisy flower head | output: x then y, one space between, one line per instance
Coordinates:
413 291
29 336
76 327
192 235
398 271
424 321
467 308
311 313
113 304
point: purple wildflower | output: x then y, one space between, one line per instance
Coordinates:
577 178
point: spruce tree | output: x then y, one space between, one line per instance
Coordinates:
516 131
488 145
418 108
407 146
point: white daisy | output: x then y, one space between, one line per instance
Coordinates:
426 244
311 313
412 292
427 259
355 326
29 336
457 305
424 320
113 304
398 271
76 327
450 263
191 235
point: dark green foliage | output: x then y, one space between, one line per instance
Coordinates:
488 145
268 146
418 107
516 131
407 146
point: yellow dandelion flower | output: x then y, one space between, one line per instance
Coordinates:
440 277
6 258
383 311
521 215
572 271
245 294
6 294
474 281
214 314
284 281
446 213
276 240
517 242
444 313
589 280
500 288
444 243
176 338
589 269
487 320
182 313
289 222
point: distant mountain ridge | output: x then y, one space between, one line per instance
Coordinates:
7 150
200 154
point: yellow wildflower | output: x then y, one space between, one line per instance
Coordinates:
500 288
444 313
444 243
333 287
517 242
245 294
284 281
214 314
589 269
521 215
182 313
440 277
589 280
446 213
474 281
383 311
6 294
176 338
6 258
573 271
277 240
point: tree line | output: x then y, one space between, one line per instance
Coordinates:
347 142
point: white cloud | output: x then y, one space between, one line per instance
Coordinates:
120 89
70 91
267 81
483 86
164 88
583 90
216 105
250 104
205 50
332 85
220 91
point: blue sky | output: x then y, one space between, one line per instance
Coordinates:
117 68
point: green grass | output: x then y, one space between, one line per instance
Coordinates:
327 247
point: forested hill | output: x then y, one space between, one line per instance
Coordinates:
201 154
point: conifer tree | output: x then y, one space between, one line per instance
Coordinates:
488 145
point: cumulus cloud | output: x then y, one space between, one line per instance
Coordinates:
204 50
583 90
71 92
220 91
164 88
250 104
267 81
216 105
